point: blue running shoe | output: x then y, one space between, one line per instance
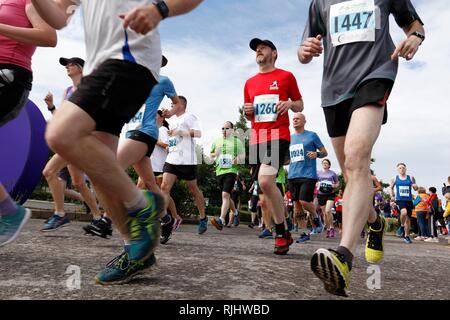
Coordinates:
55 222
266 234
11 225
407 240
145 228
236 219
303 238
400 232
121 270
217 223
203 226
314 231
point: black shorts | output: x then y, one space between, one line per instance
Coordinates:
408 205
158 174
113 93
183 172
302 189
254 203
15 86
137 135
226 182
338 217
64 174
372 92
324 198
274 153
235 197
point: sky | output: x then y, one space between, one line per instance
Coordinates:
210 60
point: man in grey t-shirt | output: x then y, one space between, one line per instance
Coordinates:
360 66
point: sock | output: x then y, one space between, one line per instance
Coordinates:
127 243
376 225
97 218
348 256
137 204
8 207
280 229
60 214
222 220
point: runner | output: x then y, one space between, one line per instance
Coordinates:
137 149
21 31
354 94
59 173
268 97
305 148
119 60
327 183
338 201
228 152
401 188
181 163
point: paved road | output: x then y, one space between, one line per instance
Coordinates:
232 264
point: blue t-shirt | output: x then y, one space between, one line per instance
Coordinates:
163 88
301 166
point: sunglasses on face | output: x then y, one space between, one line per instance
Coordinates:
224 129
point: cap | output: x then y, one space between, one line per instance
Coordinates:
164 61
255 42
75 60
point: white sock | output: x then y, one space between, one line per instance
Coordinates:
60 214
138 203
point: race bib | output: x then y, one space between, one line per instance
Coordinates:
326 186
173 142
266 107
403 191
297 152
226 161
353 21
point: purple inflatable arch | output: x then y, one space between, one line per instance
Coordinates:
24 152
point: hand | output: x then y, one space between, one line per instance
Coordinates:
312 155
284 106
249 108
49 100
311 47
142 19
407 48
167 113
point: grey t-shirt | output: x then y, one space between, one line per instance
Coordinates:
357 43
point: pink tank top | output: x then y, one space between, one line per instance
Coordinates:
13 13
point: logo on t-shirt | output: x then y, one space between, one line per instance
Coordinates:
274 85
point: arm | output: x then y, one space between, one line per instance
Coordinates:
378 186
162 144
176 106
146 18
55 12
415 186
322 153
284 106
309 49
408 48
41 34
391 186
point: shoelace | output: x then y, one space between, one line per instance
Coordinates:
115 259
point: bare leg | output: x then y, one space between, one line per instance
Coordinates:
80 184
272 195
198 197
51 170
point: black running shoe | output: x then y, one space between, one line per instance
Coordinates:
166 231
100 228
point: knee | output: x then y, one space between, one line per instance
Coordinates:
225 196
57 140
265 184
49 173
357 159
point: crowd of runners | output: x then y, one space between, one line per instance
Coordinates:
360 67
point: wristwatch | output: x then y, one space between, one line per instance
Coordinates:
419 35
162 8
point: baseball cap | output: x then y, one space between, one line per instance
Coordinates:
75 60
255 42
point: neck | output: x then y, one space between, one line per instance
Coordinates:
266 68
299 130
76 80
180 113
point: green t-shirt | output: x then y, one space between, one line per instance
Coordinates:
281 176
228 149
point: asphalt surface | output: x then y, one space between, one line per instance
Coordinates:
232 264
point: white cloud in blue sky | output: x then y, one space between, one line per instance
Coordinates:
209 62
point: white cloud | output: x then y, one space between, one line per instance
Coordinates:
212 77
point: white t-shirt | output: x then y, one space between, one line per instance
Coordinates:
159 155
107 39
182 149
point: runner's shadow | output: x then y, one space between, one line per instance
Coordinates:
145 280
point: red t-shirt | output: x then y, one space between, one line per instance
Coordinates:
338 203
264 90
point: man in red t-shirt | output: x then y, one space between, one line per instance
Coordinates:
269 96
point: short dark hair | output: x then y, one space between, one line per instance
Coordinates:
327 160
432 189
182 98
401 164
231 124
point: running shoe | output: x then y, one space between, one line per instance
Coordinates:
251 225
374 244
203 226
400 232
166 229
217 223
177 223
328 233
236 219
303 238
407 240
55 222
11 225
332 233
330 267
121 269
266 234
282 243
144 227
435 240
101 228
